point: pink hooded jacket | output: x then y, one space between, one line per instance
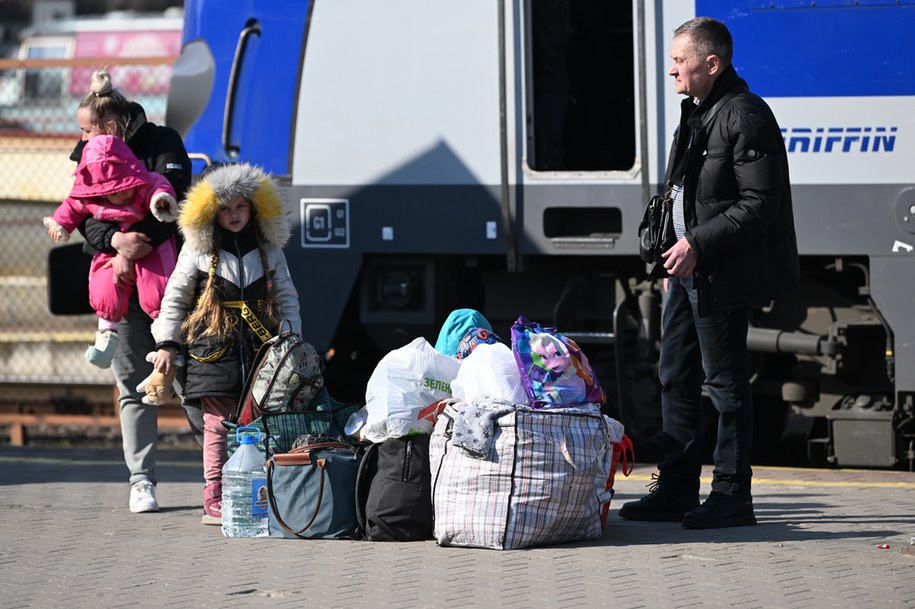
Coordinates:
109 166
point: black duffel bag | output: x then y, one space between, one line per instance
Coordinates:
394 490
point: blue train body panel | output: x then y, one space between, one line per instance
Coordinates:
265 98
799 48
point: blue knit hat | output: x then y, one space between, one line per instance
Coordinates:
456 327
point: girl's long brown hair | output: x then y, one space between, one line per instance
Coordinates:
209 317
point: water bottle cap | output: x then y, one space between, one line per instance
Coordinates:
247 438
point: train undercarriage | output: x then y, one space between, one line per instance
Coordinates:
822 363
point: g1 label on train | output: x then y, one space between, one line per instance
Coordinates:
324 222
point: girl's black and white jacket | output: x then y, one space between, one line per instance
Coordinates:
217 367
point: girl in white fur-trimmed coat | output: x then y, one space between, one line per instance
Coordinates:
228 294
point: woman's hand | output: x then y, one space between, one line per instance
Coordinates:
122 271
131 245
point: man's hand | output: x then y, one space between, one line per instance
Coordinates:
131 245
680 260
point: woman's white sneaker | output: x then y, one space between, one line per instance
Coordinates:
143 497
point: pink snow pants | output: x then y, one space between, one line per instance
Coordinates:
110 300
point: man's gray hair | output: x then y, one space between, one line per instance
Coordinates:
708 37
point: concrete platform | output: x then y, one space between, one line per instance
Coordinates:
68 540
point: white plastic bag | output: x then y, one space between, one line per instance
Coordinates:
490 372
402 389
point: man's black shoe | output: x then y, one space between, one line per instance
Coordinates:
719 511
662 504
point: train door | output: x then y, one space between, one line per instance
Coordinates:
581 170
581 183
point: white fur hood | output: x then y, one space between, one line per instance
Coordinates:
219 186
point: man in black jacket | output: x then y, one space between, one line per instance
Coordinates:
736 248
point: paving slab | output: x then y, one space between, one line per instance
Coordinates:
67 539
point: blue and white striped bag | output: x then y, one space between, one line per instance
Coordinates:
539 478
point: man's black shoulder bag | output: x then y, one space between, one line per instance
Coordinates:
656 233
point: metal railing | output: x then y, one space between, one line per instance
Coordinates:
44 379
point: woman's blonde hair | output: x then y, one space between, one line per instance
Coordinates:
106 103
210 318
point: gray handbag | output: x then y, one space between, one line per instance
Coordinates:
311 491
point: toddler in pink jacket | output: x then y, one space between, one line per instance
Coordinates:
111 184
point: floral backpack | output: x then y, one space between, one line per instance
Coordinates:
554 370
286 375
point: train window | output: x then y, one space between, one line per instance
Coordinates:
582 103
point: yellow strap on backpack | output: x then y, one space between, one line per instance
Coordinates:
248 315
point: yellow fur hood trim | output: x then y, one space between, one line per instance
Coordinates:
217 187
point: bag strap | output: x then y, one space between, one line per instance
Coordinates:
249 381
272 498
302 454
680 167
363 482
717 107
247 313
387 530
627 456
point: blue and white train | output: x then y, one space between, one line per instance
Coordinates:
418 143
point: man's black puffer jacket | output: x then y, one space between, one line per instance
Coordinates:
737 198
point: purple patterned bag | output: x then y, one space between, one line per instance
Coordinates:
555 372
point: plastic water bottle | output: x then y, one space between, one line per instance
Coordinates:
244 489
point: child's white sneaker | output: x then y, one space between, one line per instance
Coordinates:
101 353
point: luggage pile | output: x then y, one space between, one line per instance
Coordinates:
471 443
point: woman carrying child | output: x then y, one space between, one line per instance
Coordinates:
228 294
111 184
105 111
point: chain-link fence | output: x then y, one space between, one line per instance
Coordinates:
41 355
